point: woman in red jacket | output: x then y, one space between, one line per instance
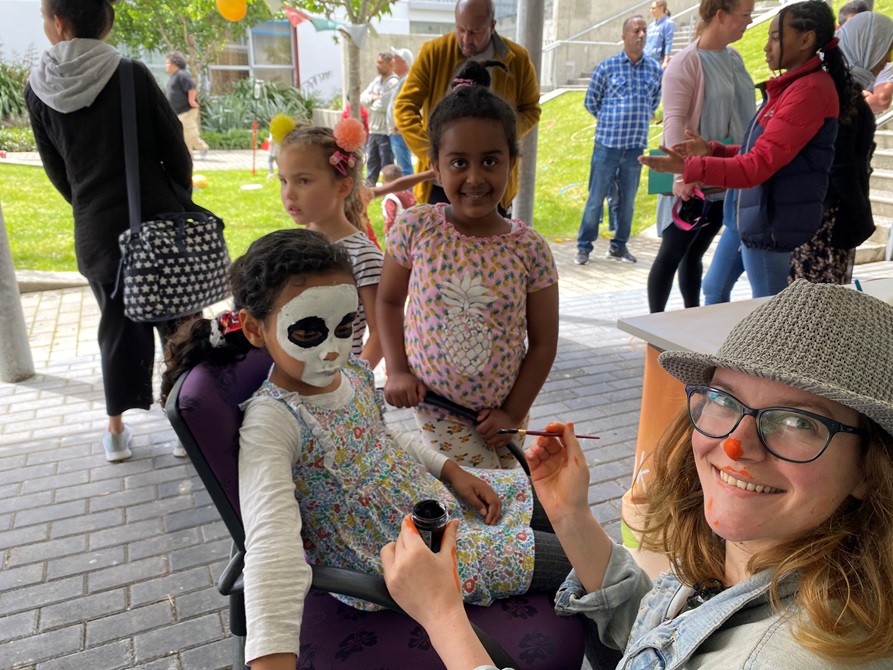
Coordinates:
781 168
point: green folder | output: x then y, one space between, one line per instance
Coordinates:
659 182
662 182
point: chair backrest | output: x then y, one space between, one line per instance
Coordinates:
203 408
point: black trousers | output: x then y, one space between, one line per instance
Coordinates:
127 352
682 250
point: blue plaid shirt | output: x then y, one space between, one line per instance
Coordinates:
622 96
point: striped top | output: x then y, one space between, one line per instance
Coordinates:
367 260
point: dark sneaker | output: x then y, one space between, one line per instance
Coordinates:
620 254
582 258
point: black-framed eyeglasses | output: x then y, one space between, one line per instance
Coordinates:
793 435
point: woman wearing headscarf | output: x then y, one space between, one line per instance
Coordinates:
865 40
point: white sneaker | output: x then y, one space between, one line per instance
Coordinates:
179 450
117 445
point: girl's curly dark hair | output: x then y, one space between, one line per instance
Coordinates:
256 278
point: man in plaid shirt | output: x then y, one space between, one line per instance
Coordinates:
622 96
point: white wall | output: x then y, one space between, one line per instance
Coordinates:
21 29
319 59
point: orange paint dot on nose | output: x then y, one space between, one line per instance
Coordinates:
732 447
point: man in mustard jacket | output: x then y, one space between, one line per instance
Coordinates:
437 64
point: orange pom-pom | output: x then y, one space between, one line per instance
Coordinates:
349 134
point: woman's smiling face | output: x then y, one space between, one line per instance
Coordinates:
758 501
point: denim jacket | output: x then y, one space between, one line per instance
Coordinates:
734 630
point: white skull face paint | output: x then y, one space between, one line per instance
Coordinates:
315 324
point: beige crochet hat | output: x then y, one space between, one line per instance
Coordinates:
828 340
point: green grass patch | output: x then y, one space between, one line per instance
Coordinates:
40 226
564 153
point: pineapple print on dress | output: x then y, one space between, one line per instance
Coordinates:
467 338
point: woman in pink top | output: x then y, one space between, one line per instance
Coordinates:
706 87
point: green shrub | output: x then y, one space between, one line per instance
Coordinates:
237 110
237 138
13 77
17 139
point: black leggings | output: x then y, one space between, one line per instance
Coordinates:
550 567
683 250
126 351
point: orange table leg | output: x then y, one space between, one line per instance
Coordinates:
663 396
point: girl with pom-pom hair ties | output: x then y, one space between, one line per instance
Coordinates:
320 479
319 177
475 286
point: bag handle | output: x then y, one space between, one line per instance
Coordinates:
131 157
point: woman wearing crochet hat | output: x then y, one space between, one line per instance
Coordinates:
772 496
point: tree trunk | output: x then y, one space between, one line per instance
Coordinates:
353 78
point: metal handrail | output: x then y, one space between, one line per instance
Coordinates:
557 43
573 38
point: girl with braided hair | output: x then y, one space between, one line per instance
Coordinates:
779 174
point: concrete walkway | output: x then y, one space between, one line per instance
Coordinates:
108 566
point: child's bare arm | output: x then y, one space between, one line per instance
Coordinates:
403 389
542 338
402 183
372 349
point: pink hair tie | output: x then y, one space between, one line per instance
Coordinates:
342 162
458 82
832 44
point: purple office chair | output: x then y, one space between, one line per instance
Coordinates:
203 410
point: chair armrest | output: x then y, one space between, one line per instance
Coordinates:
230 580
436 400
355 584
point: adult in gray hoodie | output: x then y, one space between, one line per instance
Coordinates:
74 101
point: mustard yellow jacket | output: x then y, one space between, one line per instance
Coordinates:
429 80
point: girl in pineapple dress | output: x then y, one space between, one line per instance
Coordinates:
475 286
320 479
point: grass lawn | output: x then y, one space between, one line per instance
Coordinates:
39 224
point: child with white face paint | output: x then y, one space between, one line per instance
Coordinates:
319 177
315 454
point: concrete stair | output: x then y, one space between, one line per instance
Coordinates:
875 247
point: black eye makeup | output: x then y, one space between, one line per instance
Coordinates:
308 332
345 328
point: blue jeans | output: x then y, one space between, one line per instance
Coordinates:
726 267
767 270
606 163
378 154
402 157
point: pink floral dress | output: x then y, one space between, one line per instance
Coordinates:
466 314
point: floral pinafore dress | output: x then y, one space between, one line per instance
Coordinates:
354 486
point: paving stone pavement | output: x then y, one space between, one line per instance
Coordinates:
113 566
